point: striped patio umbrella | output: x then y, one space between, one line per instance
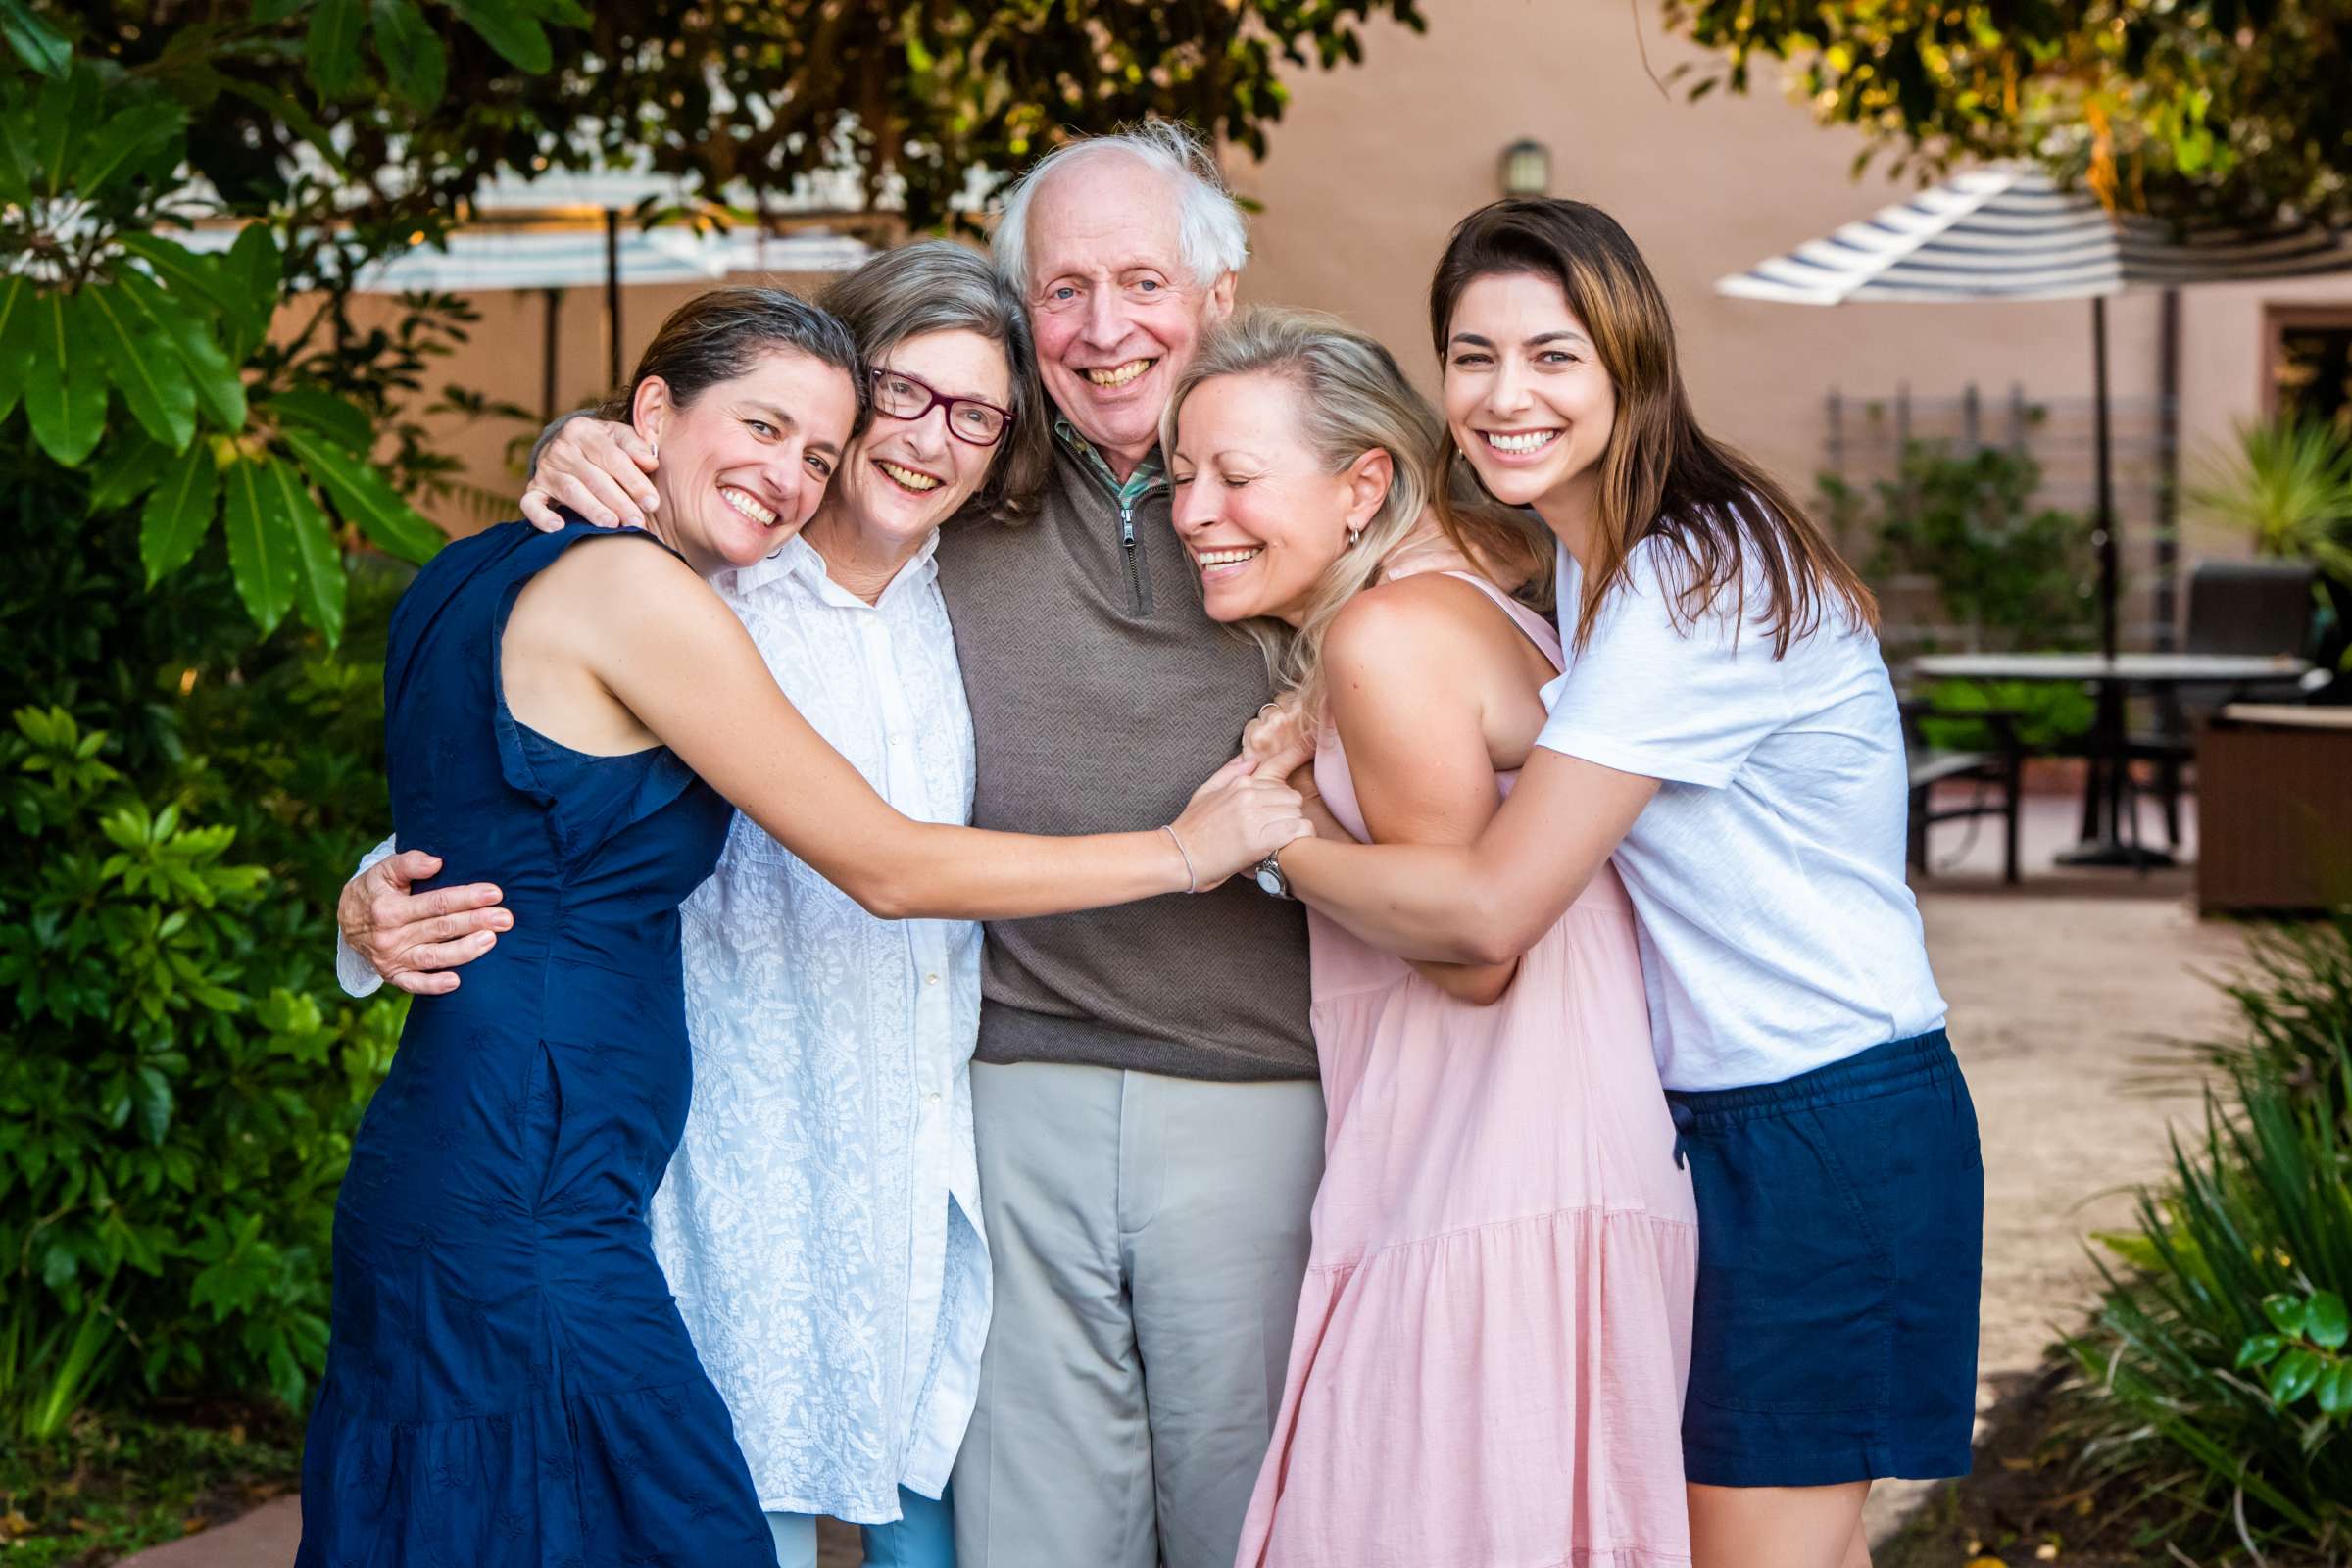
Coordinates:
2013 233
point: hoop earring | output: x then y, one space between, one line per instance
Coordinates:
1353 534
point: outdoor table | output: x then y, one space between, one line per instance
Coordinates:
2109 746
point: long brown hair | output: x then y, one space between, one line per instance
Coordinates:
1661 476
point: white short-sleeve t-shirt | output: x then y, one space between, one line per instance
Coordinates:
1776 932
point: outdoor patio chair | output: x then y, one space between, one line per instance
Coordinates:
1996 774
2234 606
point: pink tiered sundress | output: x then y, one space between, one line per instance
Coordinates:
1488 1367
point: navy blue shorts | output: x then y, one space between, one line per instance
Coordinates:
1841 1252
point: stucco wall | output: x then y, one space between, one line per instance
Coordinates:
1371 165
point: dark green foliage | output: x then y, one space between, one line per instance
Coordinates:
2213 1375
2009 572
2046 715
183 1077
2223 109
194 448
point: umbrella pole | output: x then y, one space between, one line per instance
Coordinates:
2106 783
2103 539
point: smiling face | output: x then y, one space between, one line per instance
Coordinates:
1256 506
904 478
1116 310
745 463
1526 396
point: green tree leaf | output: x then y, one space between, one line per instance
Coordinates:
255 266
2285 1313
2335 1389
260 543
133 135
128 468
510 30
65 391
189 275
180 511
18 302
319 583
2292 1376
151 1091
36 43
152 379
414 60
2260 1350
2324 1322
220 386
62 113
333 47
338 419
362 494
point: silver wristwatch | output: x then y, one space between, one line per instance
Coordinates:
1270 879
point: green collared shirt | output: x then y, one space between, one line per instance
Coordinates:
1146 477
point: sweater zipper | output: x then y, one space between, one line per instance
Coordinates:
1139 587
1139 574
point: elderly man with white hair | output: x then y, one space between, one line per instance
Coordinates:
1149 1122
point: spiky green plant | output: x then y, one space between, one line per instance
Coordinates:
2209 1372
2286 486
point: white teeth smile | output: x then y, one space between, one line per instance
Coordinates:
908 476
1120 376
743 504
1225 557
1520 440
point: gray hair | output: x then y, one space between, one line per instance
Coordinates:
941 286
1211 229
1351 398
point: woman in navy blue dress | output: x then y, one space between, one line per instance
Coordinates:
508 1382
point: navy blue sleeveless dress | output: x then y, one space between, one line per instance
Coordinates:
508 1380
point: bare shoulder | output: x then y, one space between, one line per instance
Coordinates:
1424 625
615 583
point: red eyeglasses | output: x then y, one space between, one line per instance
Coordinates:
900 396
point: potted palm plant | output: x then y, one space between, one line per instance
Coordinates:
2286 487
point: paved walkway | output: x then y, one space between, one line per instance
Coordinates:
2059 992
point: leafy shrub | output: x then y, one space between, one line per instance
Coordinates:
183 1077
2046 715
2007 571
2213 1374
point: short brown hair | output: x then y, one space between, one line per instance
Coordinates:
717 336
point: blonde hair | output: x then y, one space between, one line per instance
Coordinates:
1351 399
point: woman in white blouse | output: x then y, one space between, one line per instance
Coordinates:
820 1221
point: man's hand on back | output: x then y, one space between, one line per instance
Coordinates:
597 469
415 939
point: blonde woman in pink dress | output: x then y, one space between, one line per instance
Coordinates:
1489 1360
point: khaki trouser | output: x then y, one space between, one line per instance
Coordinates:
1148 1235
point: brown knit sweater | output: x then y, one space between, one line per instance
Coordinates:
1101 695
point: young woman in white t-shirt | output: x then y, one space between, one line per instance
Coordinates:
1727 731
